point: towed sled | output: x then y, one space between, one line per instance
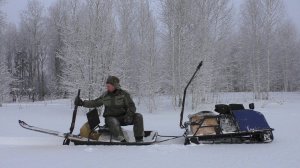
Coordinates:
149 137
228 124
104 137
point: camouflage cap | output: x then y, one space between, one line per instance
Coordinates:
113 80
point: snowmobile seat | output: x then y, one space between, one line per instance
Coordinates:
93 119
236 107
222 108
249 120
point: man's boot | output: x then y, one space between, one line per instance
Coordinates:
139 139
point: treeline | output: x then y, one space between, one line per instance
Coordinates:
153 46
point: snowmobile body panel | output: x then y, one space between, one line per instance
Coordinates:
248 120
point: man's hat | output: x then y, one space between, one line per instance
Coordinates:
113 80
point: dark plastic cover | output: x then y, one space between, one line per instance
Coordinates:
93 118
236 107
249 120
222 108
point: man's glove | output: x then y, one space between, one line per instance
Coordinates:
128 119
78 102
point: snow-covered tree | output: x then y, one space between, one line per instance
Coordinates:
284 69
126 62
4 72
2 16
34 48
89 42
55 23
273 16
260 21
175 18
195 29
5 81
147 38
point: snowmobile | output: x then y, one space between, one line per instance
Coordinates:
228 124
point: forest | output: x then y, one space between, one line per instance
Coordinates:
153 46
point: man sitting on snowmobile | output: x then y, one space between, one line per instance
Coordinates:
119 110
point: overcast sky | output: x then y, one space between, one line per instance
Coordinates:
12 8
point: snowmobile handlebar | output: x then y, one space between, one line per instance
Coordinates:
184 93
200 65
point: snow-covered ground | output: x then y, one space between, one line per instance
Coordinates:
23 148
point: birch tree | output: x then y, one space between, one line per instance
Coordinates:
273 16
284 76
56 21
126 63
2 17
147 33
4 71
5 80
89 46
215 28
175 18
260 20
32 27
194 30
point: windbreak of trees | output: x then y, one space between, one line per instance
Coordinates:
153 46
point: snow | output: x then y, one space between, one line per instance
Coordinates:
20 147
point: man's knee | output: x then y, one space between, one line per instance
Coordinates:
113 125
111 121
138 118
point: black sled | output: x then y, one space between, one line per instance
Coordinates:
149 137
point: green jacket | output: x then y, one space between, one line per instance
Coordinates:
118 103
